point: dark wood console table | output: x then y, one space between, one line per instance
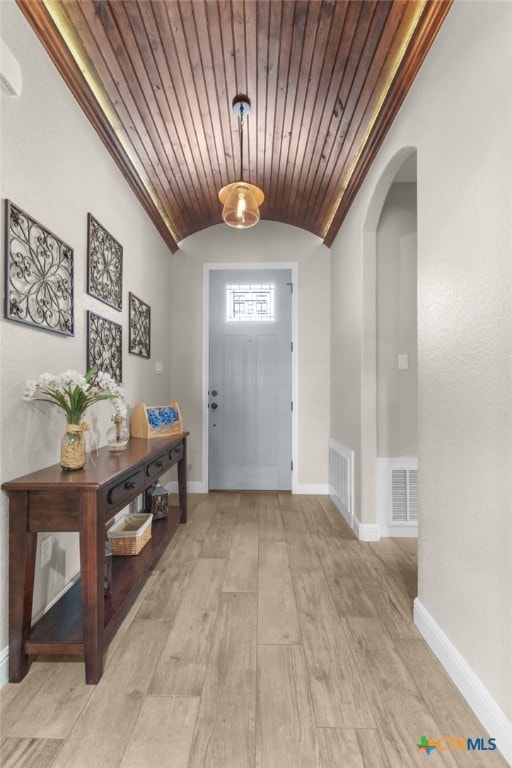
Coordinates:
52 500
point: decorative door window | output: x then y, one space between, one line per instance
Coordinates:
250 303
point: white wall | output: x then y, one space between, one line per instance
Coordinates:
458 115
55 167
397 390
268 242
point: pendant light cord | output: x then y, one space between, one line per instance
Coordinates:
241 133
241 200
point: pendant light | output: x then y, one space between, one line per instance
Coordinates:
241 200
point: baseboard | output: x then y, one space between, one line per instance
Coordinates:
366 531
310 489
363 531
476 694
193 487
397 531
306 489
4 666
340 506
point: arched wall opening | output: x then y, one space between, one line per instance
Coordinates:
371 398
261 246
397 357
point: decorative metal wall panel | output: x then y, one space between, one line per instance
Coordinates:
38 274
105 345
104 265
140 327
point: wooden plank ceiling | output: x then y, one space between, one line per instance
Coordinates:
157 79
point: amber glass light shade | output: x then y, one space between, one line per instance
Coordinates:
241 204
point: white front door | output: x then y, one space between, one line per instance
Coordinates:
250 388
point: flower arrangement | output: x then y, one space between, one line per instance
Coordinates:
160 417
75 392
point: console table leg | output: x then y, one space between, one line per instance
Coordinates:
22 561
182 483
92 555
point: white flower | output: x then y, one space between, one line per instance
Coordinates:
73 379
73 392
106 383
47 380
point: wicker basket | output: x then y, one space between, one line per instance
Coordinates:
130 534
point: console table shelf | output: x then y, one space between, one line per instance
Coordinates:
62 624
83 620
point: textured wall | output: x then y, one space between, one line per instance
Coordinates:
56 168
465 347
268 242
458 115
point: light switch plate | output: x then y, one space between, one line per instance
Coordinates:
159 366
403 361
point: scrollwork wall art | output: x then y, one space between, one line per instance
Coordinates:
38 274
139 342
105 346
104 265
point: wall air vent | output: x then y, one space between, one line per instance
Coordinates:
341 478
404 497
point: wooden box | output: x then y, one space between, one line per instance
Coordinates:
156 420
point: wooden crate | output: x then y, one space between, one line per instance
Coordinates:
156 420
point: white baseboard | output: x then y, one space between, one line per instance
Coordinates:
193 487
4 666
306 489
366 531
397 531
476 694
363 531
339 505
310 489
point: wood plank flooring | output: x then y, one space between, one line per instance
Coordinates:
266 637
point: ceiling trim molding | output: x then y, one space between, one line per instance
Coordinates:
434 14
52 40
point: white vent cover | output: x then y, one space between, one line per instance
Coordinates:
341 478
338 476
404 496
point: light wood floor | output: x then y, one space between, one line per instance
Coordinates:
268 637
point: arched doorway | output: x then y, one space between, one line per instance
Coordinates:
397 357
373 402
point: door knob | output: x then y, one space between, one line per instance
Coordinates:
214 406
